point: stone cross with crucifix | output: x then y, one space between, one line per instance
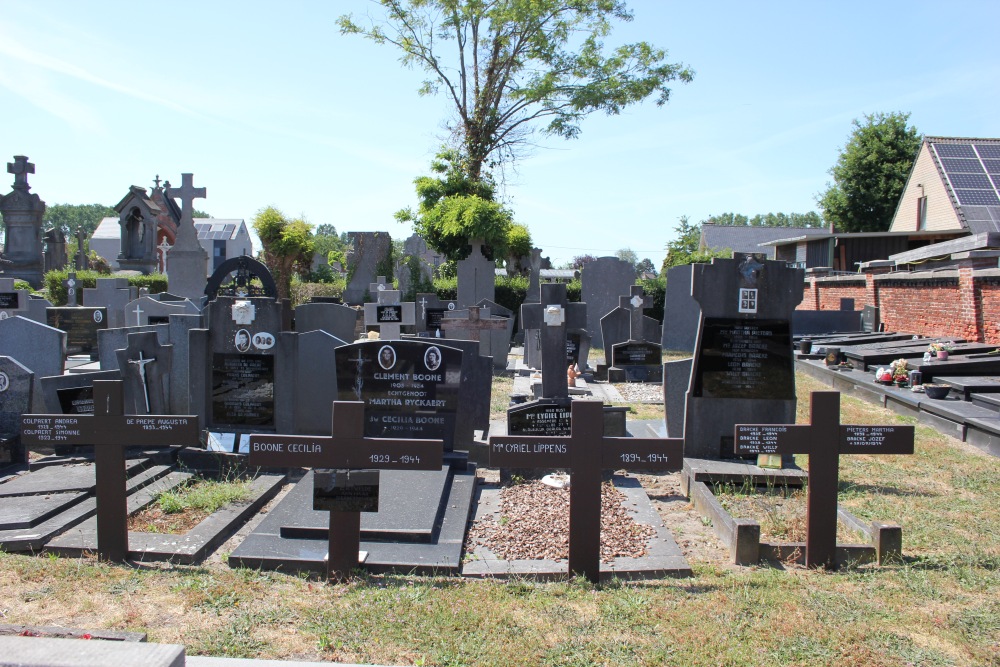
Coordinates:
110 431
585 453
346 449
551 317
824 439
164 248
144 364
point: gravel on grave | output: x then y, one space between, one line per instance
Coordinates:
640 392
534 524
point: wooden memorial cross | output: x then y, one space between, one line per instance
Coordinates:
349 449
551 317
110 431
824 439
584 454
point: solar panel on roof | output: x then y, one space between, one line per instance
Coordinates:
980 181
977 197
954 150
992 166
988 150
962 166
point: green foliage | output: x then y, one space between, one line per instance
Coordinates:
454 209
206 495
510 292
98 263
446 288
23 284
53 283
870 173
195 213
68 217
328 243
519 242
655 288
510 65
288 246
684 249
303 292
810 219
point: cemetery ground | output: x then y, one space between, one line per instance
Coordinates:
940 605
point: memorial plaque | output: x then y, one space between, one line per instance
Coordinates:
81 326
242 390
410 388
636 354
572 348
392 314
539 418
434 318
345 490
76 400
9 301
745 359
158 319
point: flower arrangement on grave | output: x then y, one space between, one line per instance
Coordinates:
934 348
900 372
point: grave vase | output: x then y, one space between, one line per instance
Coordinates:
942 355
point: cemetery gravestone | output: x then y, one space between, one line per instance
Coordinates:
38 347
55 249
346 449
532 338
73 289
22 217
145 366
551 318
387 313
81 325
16 383
578 348
681 312
114 294
637 359
476 277
110 431
149 310
12 301
431 312
586 453
410 388
73 393
603 280
824 439
337 320
870 320
476 324
306 367
743 369
369 251
187 264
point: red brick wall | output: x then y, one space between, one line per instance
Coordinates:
967 306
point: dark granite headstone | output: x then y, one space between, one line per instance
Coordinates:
410 388
72 394
335 319
81 326
36 346
639 361
16 384
681 312
543 417
743 365
870 319
602 281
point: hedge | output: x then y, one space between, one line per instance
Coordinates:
53 281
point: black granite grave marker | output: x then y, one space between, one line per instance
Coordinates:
242 390
824 439
81 326
347 448
585 453
543 417
9 301
745 359
110 431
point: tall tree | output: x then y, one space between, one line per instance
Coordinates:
288 246
455 209
505 64
70 216
870 173
685 248
810 219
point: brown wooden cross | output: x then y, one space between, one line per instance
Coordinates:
110 431
347 448
551 317
585 453
824 439
473 326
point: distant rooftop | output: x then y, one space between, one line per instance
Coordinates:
740 238
970 170
207 228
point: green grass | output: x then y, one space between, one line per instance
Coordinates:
206 495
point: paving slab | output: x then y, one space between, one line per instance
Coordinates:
50 652
438 553
663 557
711 471
61 479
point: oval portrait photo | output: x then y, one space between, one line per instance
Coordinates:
386 357
432 358
242 340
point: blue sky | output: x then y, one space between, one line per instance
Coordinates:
268 105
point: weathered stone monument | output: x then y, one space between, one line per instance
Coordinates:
681 313
476 277
603 280
187 263
388 313
38 347
743 367
137 216
475 323
430 312
55 249
368 257
114 294
414 272
22 218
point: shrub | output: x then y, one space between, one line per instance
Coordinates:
53 281
304 292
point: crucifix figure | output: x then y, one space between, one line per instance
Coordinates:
423 308
346 449
156 182
824 439
20 167
144 389
110 431
585 453
164 248
551 317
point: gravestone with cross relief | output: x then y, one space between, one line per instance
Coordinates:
585 453
22 215
636 359
388 313
187 264
824 439
743 369
145 367
430 311
73 289
476 277
110 431
12 301
551 317
347 449
475 323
